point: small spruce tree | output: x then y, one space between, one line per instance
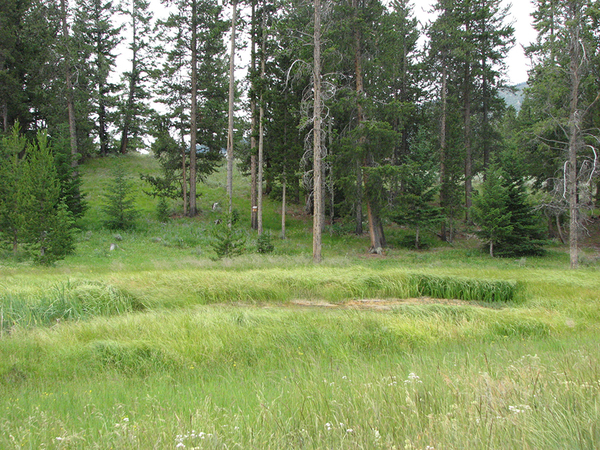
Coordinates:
32 216
415 201
518 225
119 205
490 210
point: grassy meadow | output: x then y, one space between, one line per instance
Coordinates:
159 345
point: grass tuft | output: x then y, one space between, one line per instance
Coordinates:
65 301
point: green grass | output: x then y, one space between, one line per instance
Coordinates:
157 345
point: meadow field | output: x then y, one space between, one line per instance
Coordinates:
157 344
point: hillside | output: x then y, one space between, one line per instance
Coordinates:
514 97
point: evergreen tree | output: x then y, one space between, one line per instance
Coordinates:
415 202
32 215
119 203
491 210
97 39
195 94
510 223
562 98
12 191
134 110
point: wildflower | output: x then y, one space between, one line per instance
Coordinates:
519 409
413 378
349 430
180 445
328 426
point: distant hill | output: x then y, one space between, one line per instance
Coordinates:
514 99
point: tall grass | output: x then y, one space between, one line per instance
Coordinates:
441 376
63 301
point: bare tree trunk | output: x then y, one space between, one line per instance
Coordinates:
468 149
261 132
283 206
231 100
375 225
132 83
444 234
359 199
184 175
331 178
194 114
253 194
69 86
317 152
574 144
102 134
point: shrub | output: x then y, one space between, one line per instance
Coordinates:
264 243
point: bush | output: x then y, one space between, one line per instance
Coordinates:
264 244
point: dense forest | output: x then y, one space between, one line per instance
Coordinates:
343 110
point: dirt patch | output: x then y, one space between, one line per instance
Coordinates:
377 304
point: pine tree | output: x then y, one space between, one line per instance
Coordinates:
510 223
134 111
196 93
119 203
32 215
415 202
562 97
97 39
491 210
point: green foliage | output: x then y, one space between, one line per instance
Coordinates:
264 243
416 193
228 240
119 203
69 176
162 210
32 214
491 211
464 289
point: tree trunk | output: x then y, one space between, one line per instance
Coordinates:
184 176
417 237
69 87
231 100
571 175
559 229
467 137
375 225
317 111
261 117
443 181
283 205
102 134
132 83
193 211
358 230
253 194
